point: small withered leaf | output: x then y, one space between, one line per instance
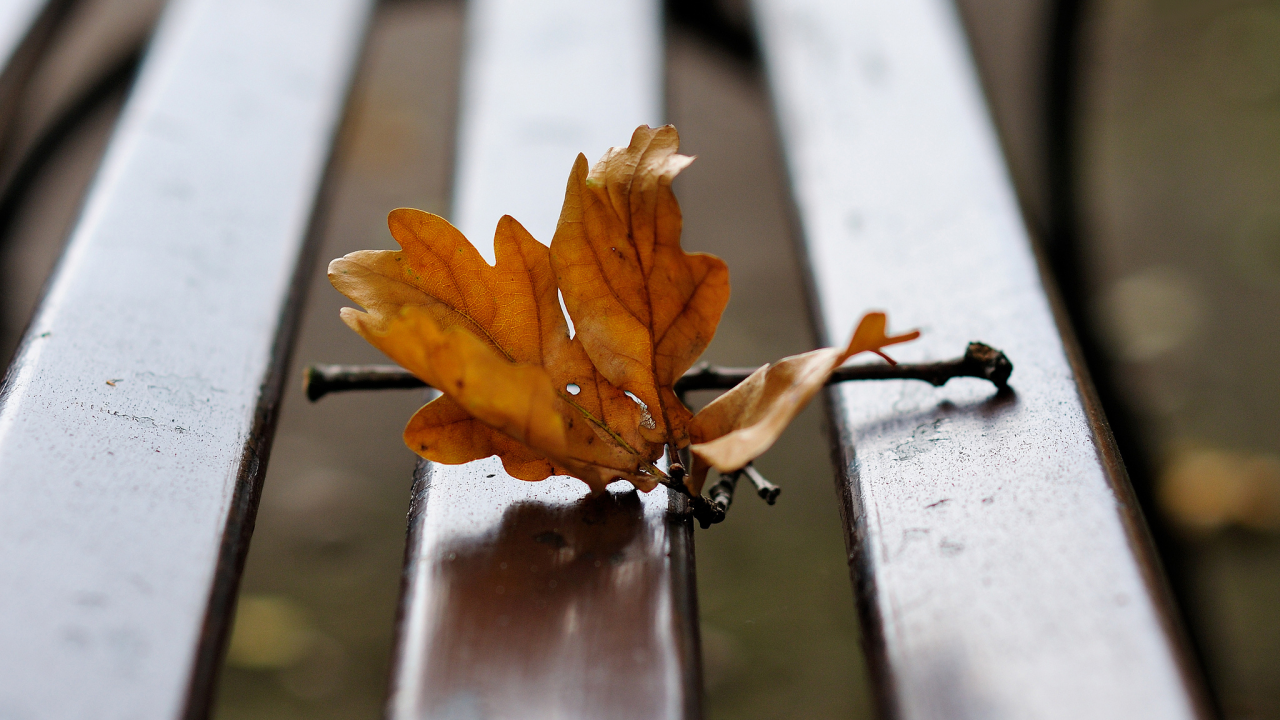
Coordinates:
741 424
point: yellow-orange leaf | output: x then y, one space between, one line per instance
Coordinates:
643 307
443 313
741 424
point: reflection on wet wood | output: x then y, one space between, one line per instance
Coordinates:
530 600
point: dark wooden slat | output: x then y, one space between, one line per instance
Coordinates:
135 421
1002 568
530 600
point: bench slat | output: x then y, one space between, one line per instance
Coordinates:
527 600
1002 567
126 506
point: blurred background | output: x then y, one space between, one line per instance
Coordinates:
1143 137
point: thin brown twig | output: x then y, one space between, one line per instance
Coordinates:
719 498
765 489
979 361
715 504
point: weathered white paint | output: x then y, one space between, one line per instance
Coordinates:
992 541
543 82
114 499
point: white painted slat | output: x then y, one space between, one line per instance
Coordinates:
124 507
525 600
543 82
1002 567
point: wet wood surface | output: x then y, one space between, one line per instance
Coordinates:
533 600
1002 567
136 418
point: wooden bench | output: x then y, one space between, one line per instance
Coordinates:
1001 566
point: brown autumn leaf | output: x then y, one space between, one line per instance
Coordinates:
643 307
600 405
741 424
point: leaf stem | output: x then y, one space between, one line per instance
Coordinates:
715 505
720 496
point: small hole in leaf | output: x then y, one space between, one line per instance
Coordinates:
573 388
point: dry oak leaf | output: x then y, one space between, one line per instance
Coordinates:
643 307
600 405
741 424
495 342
